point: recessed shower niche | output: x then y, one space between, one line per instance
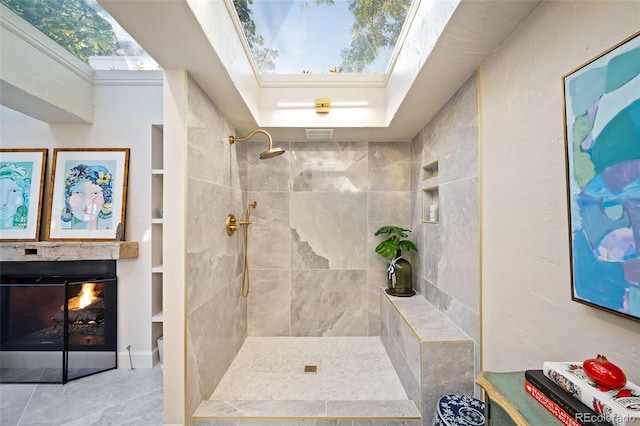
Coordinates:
430 194
430 205
430 170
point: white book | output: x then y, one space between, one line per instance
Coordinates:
620 407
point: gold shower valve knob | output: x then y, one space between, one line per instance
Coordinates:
231 224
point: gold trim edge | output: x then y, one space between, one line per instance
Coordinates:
254 417
406 321
501 400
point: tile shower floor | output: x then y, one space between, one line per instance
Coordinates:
267 380
348 368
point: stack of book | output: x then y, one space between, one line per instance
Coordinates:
564 389
569 410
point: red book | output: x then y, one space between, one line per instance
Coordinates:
551 406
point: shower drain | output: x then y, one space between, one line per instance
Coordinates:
310 368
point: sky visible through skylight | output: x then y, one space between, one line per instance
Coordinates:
87 31
290 36
137 57
308 36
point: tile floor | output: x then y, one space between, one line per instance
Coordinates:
354 375
114 397
348 368
266 385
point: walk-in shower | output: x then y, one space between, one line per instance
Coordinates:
307 346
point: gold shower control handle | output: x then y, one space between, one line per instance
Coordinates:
232 224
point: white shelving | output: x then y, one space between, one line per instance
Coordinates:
157 220
431 194
430 171
430 205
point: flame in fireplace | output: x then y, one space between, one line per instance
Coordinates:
87 295
86 307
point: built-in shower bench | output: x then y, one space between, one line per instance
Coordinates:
431 354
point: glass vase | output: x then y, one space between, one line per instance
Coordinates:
403 285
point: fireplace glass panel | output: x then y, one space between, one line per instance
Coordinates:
54 329
27 323
91 328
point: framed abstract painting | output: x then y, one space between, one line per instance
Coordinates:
21 187
602 140
87 194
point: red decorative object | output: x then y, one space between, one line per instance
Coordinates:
620 407
604 372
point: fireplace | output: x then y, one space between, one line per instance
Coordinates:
57 320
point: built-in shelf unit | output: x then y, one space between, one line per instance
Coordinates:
430 205
157 219
430 171
430 193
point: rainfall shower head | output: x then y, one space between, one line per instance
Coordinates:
269 153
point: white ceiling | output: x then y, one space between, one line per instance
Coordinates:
448 39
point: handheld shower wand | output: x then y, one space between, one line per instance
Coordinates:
248 215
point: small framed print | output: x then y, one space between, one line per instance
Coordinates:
21 187
88 194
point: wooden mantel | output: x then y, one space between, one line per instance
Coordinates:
81 250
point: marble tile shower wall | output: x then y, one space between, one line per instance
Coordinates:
448 273
314 271
216 186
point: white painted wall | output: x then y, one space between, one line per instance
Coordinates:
175 242
527 313
124 114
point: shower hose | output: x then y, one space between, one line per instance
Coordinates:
245 273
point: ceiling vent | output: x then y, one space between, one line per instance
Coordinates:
319 133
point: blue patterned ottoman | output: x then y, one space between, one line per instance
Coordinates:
459 410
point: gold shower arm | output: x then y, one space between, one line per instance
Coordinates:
269 153
233 139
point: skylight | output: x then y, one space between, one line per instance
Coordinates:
322 36
86 30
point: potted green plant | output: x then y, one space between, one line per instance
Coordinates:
399 273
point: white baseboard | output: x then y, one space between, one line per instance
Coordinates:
53 359
146 359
